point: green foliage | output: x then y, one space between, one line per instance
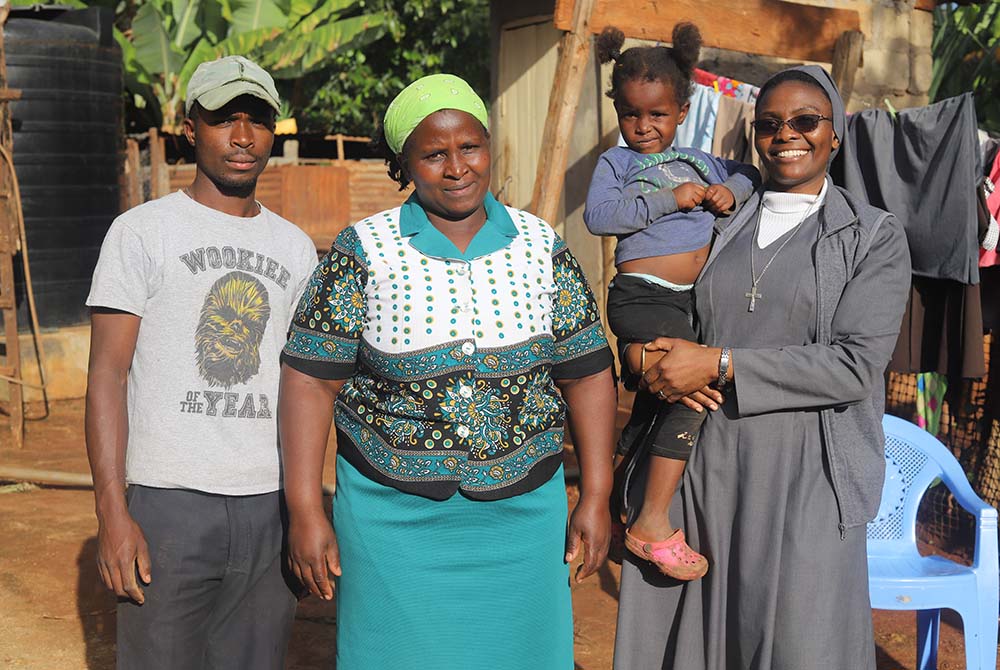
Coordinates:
422 37
966 53
337 63
164 41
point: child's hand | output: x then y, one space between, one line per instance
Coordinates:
718 199
689 195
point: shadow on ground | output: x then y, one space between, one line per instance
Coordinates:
95 607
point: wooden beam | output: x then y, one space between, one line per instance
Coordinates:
765 27
79 480
930 5
10 236
846 61
159 176
133 174
347 138
13 473
563 17
574 57
13 350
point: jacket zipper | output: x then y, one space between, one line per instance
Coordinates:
823 334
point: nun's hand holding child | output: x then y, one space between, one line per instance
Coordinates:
684 373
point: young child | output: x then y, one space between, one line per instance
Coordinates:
660 201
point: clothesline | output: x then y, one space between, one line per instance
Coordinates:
732 88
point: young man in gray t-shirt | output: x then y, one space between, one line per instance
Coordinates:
190 306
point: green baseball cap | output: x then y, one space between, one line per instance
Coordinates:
214 83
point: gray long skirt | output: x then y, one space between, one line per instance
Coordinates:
784 590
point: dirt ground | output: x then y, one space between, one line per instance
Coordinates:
55 614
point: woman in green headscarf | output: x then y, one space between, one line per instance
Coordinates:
451 333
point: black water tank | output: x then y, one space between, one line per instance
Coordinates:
68 150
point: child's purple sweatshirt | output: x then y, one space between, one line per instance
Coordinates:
631 197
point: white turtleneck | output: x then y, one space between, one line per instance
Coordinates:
781 212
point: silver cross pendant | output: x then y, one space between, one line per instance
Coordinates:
752 295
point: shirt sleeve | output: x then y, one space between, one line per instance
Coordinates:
740 178
307 264
610 212
124 272
580 346
326 329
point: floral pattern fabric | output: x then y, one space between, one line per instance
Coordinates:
450 362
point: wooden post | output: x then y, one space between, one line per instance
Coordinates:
574 57
133 175
9 244
8 310
159 176
340 146
847 53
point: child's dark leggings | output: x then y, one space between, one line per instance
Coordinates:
641 311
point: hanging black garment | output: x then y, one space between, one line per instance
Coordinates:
923 167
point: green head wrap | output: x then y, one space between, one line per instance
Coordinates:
424 97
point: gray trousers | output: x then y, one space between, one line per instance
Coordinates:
218 597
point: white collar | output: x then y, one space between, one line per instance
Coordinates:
779 202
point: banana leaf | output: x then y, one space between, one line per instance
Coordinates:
153 49
186 28
296 56
247 43
250 15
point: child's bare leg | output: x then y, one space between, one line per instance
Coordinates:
653 524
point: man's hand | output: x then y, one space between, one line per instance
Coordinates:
121 546
689 195
313 554
121 554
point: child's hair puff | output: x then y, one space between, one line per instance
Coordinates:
672 65
609 44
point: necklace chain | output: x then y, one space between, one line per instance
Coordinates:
755 278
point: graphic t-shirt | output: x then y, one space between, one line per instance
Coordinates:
215 293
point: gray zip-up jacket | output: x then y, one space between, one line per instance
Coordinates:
863 280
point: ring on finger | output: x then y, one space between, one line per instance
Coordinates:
661 395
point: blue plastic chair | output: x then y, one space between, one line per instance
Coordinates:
901 579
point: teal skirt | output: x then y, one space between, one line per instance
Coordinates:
457 584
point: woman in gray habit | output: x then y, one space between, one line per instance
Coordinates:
799 306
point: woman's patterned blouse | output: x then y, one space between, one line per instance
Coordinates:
450 357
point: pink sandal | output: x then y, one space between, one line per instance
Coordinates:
672 556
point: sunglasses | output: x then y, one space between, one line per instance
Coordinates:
803 123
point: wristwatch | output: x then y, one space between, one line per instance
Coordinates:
724 358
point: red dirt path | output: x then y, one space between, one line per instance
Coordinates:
55 615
